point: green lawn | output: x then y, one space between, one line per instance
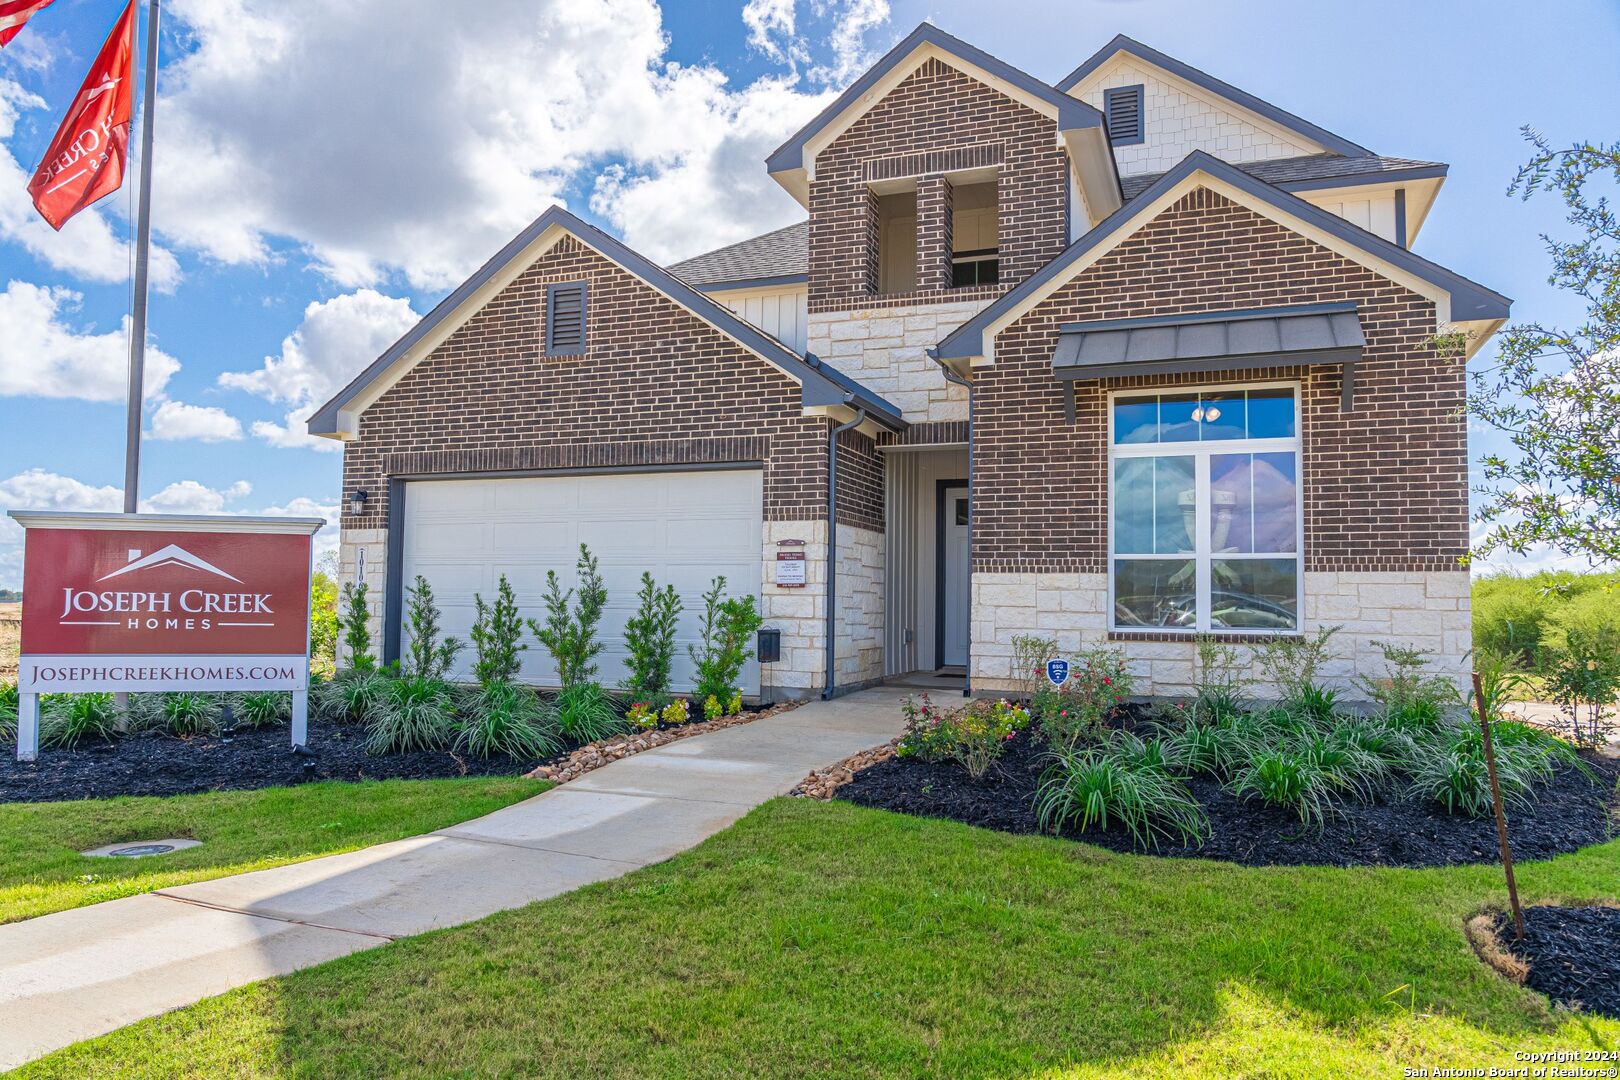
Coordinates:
41 869
831 941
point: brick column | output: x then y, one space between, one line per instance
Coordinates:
869 264
933 233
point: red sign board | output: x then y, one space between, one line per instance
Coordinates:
100 592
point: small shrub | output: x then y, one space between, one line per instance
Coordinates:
1292 663
353 696
712 709
586 713
676 712
1030 654
414 713
641 715
187 713
1312 704
1288 779
727 629
1451 770
1109 786
1098 683
1408 687
922 737
507 719
1221 682
569 633
8 712
497 634
734 704
974 736
1584 672
262 708
649 639
355 622
426 655
68 719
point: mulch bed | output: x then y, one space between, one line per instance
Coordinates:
151 763
1573 954
1571 813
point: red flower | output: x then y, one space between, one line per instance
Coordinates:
1107 681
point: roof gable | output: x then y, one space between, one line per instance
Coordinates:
1459 299
339 417
1242 99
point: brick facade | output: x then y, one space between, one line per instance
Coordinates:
656 386
937 119
1385 485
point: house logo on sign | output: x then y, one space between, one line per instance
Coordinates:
173 555
1057 672
189 609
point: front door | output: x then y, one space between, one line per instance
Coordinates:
954 556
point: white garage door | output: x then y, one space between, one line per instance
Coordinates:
682 527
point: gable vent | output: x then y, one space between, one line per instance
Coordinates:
565 319
1123 107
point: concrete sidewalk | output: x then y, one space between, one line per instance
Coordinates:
81 973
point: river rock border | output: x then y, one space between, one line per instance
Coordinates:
604 751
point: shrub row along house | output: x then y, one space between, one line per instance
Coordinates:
1127 357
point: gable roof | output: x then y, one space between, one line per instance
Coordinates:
1317 171
1468 300
777 257
821 387
1079 124
1259 106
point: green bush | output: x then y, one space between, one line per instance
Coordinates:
923 738
726 632
355 622
427 655
1117 785
1408 688
1098 683
187 713
352 696
1450 768
1292 664
1288 779
8 711
503 718
1524 616
569 634
497 633
262 708
586 713
1221 684
649 638
413 713
68 719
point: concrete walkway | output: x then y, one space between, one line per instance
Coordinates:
81 973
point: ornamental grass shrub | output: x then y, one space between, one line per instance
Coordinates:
508 719
187 713
586 713
352 696
66 720
8 711
262 708
1122 783
413 713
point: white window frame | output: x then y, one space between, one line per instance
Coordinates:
1201 452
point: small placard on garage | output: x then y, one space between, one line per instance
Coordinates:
790 565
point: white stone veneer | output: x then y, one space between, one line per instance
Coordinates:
800 614
860 607
886 349
1426 610
374 542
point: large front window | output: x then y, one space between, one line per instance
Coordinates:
1205 517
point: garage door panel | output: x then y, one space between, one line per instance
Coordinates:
682 527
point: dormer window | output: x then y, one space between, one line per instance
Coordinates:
1122 106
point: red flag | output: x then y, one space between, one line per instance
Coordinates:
13 13
86 159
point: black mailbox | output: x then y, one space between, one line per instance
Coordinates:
769 650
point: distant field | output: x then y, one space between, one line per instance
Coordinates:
10 639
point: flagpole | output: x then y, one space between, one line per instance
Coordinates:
143 239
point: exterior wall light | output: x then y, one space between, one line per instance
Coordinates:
357 502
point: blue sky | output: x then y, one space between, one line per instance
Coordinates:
327 172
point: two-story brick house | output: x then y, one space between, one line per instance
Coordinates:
1126 357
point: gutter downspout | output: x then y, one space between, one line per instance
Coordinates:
832 542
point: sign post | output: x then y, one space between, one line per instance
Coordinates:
157 602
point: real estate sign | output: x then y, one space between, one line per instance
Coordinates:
146 602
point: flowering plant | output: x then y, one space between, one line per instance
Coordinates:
923 738
974 736
734 703
676 712
1098 684
642 715
712 709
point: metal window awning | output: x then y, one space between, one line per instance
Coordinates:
1211 342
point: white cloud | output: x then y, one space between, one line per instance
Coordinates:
425 148
335 341
42 355
89 246
175 420
326 541
852 21
771 30
191 497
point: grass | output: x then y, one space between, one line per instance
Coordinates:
830 940
42 871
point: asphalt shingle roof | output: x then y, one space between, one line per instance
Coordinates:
785 251
1296 169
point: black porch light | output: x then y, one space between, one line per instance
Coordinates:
357 501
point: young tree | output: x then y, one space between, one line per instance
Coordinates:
649 637
570 636
356 623
496 636
1555 391
429 657
727 630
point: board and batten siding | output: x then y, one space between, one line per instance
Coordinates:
779 312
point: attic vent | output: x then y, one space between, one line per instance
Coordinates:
1123 107
565 319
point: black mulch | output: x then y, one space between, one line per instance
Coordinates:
1572 812
1573 953
155 764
